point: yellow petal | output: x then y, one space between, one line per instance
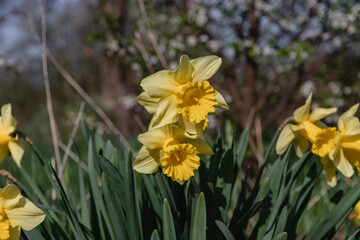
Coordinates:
17 150
301 145
351 142
192 129
205 67
150 103
153 139
166 113
329 170
342 164
184 72
4 152
285 138
349 126
302 113
7 119
25 214
145 162
320 113
349 113
10 196
201 146
221 101
159 84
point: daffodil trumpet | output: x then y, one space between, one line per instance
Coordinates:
169 148
183 95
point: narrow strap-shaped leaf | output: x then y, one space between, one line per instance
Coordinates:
134 223
169 232
153 195
224 230
281 236
281 223
198 222
241 146
155 235
336 216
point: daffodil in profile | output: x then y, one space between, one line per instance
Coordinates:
169 148
185 92
304 130
16 213
9 141
339 148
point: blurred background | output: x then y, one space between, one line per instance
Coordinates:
274 52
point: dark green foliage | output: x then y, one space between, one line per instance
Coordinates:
115 202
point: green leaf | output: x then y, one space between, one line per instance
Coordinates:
241 146
155 199
198 221
281 223
336 216
96 195
131 201
224 230
281 236
155 235
169 232
114 193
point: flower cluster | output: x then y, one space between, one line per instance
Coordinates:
180 101
338 148
16 211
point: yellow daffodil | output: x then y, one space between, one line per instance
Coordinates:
9 142
17 212
184 92
355 215
340 147
305 129
169 148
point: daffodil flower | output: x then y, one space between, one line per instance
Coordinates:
16 213
306 128
184 93
9 142
169 148
339 148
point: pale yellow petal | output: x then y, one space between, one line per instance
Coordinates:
14 232
149 103
159 84
7 119
192 129
351 142
302 113
201 146
329 170
184 72
301 145
342 164
166 113
320 113
205 67
153 139
25 214
17 150
145 162
349 113
221 101
350 126
10 196
285 139
4 152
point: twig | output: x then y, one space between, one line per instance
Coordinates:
47 87
151 34
74 157
5 173
286 121
140 45
258 136
70 142
79 89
